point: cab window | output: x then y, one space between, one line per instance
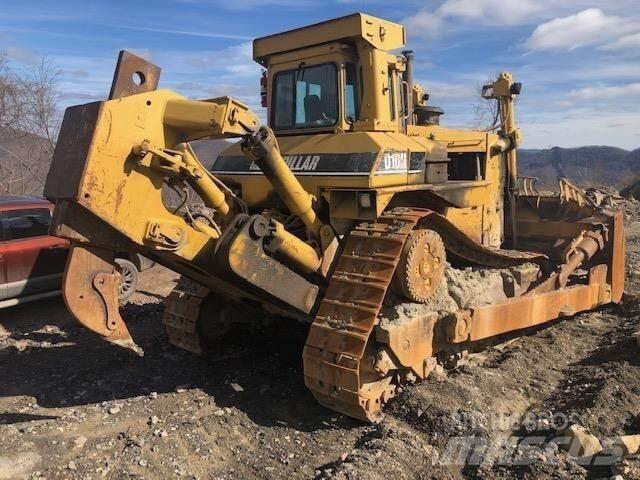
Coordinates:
391 91
352 107
32 222
305 98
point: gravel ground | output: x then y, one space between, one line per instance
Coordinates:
72 406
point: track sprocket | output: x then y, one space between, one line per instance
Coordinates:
421 266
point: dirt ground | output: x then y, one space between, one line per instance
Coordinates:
72 406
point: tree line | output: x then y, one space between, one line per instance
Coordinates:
29 124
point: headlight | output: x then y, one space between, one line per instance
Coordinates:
364 199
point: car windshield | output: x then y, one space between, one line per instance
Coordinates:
305 98
26 223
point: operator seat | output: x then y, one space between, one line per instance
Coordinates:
313 109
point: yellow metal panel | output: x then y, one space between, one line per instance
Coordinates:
334 51
112 186
469 220
375 112
379 33
256 190
454 140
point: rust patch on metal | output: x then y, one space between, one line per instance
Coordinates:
411 342
616 272
66 174
90 290
181 314
458 326
528 311
133 75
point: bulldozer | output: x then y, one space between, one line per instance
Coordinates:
352 201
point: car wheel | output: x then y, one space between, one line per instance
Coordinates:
129 282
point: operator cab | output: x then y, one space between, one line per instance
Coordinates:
315 79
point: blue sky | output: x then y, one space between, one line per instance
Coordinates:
579 61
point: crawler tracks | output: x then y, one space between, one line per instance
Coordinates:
335 348
181 313
340 350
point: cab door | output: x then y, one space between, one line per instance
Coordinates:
34 259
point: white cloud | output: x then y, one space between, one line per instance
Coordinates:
617 29
195 73
590 93
236 60
212 73
627 42
428 23
560 74
440 92
588 27
491 11
423 24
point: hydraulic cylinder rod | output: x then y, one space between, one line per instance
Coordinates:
262 148
296 251
202 183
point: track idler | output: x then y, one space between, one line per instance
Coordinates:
90 291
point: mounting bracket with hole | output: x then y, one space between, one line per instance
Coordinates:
133 75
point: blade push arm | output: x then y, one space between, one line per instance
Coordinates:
107 177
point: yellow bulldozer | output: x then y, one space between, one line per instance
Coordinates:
354 211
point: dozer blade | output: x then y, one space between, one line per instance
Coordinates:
90 291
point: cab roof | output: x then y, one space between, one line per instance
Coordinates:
381 34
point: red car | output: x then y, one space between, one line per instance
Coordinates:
32 261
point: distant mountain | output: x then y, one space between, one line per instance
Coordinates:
587 166
634 158
632 188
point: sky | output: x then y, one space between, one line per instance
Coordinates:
579 61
